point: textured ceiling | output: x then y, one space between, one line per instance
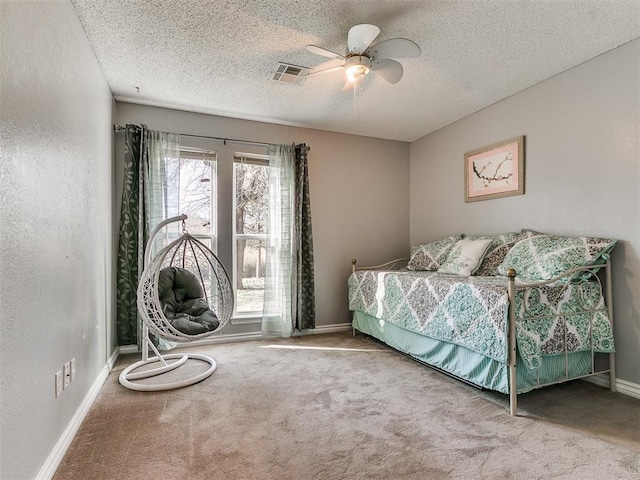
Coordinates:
218 57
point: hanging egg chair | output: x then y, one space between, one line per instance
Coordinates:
184 294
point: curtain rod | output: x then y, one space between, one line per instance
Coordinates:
119 128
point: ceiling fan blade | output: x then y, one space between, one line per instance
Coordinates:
320 69
388 69
361 36
393 48
323 51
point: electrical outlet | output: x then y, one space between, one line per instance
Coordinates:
67 374
58 386
73 369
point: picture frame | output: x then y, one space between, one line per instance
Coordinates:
494 171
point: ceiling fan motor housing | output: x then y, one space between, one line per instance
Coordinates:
357 66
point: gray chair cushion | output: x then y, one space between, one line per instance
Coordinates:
183 302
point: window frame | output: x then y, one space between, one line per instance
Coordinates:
210 156
252 317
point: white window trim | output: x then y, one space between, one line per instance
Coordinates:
255 317
210 156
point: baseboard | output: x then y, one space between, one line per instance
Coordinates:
57 454
338 327
228 338
112 359
622 386
125 349
240 337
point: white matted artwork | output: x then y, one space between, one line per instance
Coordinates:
494 171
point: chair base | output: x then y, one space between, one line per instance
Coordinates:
128 376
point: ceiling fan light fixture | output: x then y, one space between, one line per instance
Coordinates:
357 67
354 72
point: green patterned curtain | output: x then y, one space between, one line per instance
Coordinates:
306 304
131 235
149 195
289 298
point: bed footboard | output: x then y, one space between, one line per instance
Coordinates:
512 357
590 271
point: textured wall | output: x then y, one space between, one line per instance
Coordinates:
582 132
358 188
56 229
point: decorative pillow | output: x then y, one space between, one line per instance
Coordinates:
431 255
498 250
465 256
542 257
500 246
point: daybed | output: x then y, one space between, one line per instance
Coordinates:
511 312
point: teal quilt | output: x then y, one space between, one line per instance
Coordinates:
473 312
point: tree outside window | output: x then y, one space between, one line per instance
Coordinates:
251 207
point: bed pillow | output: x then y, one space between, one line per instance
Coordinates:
431 255
498 250
465 256
500 246
542 257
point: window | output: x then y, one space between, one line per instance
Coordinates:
225 195
198 193
250 177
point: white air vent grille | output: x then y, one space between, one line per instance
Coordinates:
291 74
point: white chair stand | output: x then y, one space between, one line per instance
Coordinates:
188 253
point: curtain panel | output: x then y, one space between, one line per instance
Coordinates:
306 303
289 298
149 195
130 237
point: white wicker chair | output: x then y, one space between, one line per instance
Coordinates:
188 253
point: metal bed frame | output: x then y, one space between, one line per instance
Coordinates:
589 272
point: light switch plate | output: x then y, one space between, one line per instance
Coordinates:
66 379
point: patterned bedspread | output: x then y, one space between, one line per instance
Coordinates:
473 312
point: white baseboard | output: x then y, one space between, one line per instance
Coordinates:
240 337
257 335
622 386
124 349
227 338
338 327
112 359
57 454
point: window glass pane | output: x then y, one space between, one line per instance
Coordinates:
251 198
250 256
197 182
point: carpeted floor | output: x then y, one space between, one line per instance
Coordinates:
341 407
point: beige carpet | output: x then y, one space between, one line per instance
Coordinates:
341 407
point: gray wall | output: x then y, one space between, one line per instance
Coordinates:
582 132
56 248
358 186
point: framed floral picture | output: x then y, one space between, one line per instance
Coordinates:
494 171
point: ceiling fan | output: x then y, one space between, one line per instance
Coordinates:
361 58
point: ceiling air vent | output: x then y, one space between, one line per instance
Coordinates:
291 74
